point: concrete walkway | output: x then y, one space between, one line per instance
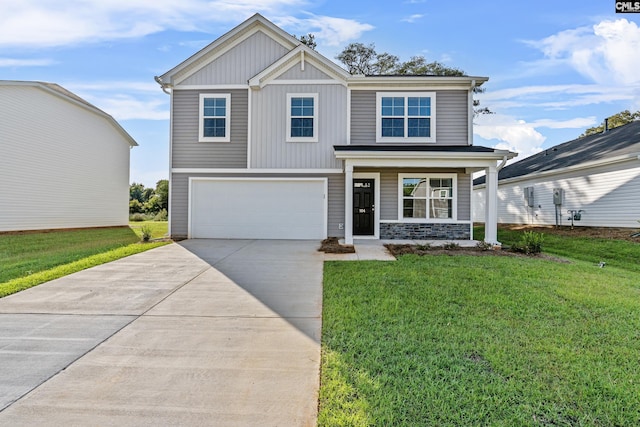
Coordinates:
205 332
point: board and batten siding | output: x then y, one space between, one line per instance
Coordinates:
608 195
187 152
389 191
180 199
61 165
269 147
239 64
451 117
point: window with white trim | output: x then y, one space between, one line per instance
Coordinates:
302 117
215 117
427 197
405 116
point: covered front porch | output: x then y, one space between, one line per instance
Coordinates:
416 192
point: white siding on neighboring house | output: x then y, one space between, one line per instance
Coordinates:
608 195
61 166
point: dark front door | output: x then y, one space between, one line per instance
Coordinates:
363 207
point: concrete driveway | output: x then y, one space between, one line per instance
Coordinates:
205 332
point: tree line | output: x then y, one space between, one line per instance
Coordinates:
153 202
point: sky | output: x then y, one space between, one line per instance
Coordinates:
555 68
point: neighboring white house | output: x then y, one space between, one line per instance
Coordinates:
63 162
598 175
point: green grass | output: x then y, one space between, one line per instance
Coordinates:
496 341
30 259
616 253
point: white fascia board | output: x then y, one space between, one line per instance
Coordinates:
255 171
212 87
296 56
360 82
419 163
427 155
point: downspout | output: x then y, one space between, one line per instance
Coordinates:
163 86
501 165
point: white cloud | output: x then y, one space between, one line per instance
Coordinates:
13 62
557 97
514 135
413 18
46 23
606 53
124 100
328 30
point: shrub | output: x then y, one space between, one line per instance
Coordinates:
450 246
163 215
530 243
484 246
146 233
424 247
137 217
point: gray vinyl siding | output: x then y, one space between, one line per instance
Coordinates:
451 117
187 152
241 63
310 73
180 200
269 148
389 191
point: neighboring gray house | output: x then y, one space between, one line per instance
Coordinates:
598 174
63 162
269 139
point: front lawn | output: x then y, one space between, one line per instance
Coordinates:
462 340
28 259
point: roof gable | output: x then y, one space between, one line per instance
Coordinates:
589 150
57 90
224 44
300 55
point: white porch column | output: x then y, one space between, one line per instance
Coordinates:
491 206
348 203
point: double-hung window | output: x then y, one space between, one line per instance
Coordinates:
302 117
215 113
427 197
405 116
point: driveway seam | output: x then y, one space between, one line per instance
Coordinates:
134 317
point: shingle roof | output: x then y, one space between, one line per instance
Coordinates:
615 142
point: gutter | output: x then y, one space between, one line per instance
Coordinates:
163 85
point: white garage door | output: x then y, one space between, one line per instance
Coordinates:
258 208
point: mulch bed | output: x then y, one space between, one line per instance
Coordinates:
333 246
593 232
397 250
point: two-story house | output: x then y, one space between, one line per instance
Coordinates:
269 139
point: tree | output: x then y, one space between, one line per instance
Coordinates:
162 192
136 192
619 119
309 40
363 59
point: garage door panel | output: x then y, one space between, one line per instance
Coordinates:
258 208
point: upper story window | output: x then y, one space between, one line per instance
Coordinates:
428 196
405 116
215 112
302 117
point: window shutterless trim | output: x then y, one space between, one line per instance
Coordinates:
226 117
427 177
313 138
406 117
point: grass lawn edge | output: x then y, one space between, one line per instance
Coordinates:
22 283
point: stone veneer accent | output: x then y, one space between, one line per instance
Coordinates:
424 231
